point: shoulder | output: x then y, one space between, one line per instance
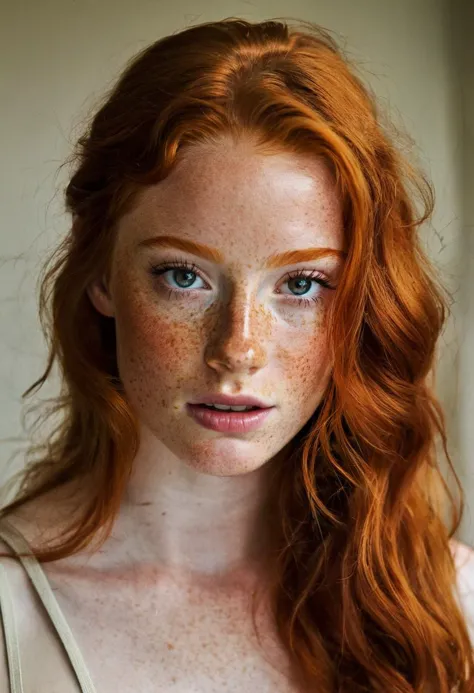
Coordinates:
20 618
9 573
463 556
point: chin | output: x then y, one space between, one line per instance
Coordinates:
226 458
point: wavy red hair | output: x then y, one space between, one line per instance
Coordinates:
364 577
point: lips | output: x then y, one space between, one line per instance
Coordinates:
229 421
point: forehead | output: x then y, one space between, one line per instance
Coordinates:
241 201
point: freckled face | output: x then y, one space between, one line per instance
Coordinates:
229 322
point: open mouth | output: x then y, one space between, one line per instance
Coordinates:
223 407
235 419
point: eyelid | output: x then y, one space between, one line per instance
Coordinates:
307 271
180 263
314 274
177 262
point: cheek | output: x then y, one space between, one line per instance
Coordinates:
303 369
153 346
304 360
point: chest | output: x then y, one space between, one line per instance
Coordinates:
167 638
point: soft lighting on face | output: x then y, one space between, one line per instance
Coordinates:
224 287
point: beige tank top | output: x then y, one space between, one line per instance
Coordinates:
17 542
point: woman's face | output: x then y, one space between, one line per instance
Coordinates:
212 295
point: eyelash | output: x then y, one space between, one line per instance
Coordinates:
159 270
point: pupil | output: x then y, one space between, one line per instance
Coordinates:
184 277
301 285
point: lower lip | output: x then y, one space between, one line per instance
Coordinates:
228 421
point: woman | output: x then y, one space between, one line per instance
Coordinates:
243 491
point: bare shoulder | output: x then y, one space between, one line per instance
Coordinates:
464 561
10 577
18 596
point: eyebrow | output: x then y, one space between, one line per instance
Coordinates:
186 246
289 257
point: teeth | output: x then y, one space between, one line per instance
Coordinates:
225 407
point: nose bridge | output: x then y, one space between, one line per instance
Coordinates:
239 311
240 333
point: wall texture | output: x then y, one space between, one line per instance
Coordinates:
462 28
58 56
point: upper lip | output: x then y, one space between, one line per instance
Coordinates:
232 401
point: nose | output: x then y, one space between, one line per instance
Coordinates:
238 340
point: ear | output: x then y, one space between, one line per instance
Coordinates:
99 294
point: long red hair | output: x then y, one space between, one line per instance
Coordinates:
364 576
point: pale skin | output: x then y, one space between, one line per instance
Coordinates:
189 541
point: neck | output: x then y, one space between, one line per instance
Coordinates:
176 520
191 522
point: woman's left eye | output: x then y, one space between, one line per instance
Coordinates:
305 286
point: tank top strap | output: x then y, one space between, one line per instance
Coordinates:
18 543
11 634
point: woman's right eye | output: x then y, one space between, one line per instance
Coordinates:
184 279
178 278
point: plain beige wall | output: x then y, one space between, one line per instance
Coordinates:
57 57
462 30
